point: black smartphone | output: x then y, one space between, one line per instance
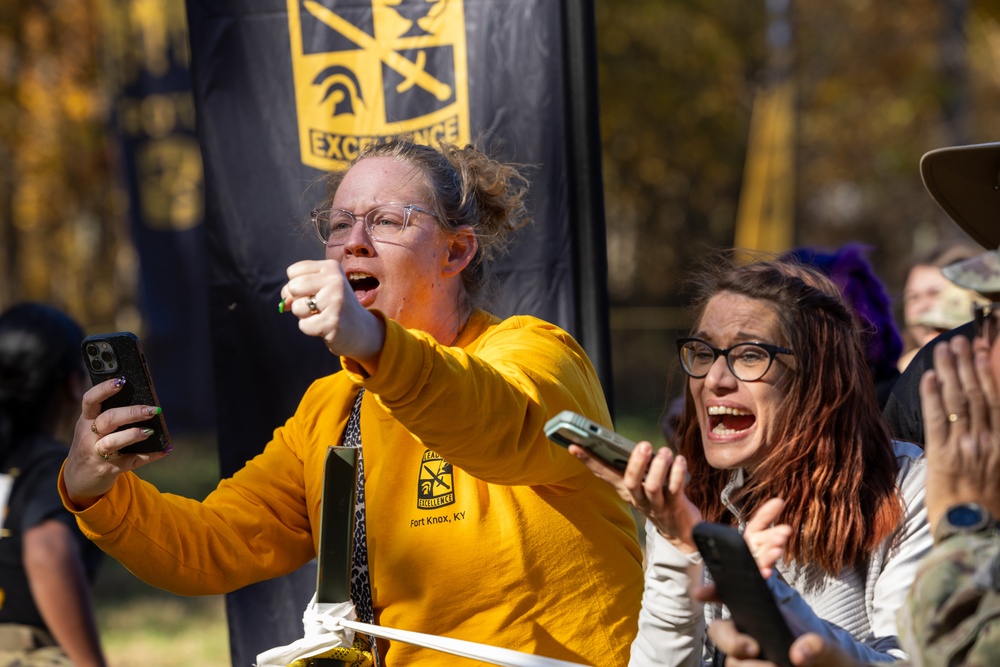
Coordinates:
119 354
569 428
743 590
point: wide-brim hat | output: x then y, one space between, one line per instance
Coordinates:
965 182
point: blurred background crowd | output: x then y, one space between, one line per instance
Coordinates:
764 124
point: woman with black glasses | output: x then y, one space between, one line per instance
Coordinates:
779 404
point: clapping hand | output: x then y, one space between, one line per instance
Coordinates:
961 411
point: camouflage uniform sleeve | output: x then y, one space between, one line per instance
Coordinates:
952 613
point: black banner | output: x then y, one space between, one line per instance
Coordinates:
285 90
146 44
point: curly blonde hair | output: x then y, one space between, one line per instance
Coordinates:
467 187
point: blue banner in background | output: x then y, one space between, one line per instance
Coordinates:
285 89
148 50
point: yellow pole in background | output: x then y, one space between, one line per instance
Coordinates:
766 210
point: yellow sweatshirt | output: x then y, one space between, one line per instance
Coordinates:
510 542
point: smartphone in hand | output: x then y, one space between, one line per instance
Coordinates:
743 590
569 428
119 354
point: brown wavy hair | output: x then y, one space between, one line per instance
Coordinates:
830 457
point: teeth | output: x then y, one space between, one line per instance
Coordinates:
721 430
725 410
357 275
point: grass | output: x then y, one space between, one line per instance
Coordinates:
163 630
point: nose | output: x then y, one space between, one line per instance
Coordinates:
358 242
719 377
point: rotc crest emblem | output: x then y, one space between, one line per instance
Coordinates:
436 483
364 70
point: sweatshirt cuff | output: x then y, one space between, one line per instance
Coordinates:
105 515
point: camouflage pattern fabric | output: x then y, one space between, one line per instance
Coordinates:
26 646
980 273
952 615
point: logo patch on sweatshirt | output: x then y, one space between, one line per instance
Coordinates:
436 483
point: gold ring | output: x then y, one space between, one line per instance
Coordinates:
311 302
102 454
954 417
93 429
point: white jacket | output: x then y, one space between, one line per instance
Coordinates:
856 610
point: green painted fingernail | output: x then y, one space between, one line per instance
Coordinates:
281 306
148 432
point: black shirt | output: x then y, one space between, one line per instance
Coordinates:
34 499
902 410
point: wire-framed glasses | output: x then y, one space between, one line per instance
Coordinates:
383 223
984 316
747 361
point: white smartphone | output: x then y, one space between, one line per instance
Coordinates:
569 428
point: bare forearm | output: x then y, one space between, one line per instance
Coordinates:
61 593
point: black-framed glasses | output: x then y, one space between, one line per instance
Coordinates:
747 361
385 222
984 316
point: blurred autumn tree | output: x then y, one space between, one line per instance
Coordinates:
62 230
874 88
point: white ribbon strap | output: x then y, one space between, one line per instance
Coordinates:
466 649
323 631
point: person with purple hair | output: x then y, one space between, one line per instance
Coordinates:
852 273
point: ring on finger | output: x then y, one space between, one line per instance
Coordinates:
311 302
101 454
954 417
93 429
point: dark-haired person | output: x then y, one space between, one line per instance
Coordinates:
478 527
950 616
779 404
963 182
46 564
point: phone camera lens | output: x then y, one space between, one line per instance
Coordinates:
92 350
96 364
107 356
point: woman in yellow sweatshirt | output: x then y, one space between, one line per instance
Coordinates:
477 527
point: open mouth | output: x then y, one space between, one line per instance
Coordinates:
723 420
362 283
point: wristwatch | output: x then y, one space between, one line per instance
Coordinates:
963 518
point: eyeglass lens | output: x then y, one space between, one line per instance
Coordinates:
382 223
747 361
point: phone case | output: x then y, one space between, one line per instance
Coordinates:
741 588
568 428
120 355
